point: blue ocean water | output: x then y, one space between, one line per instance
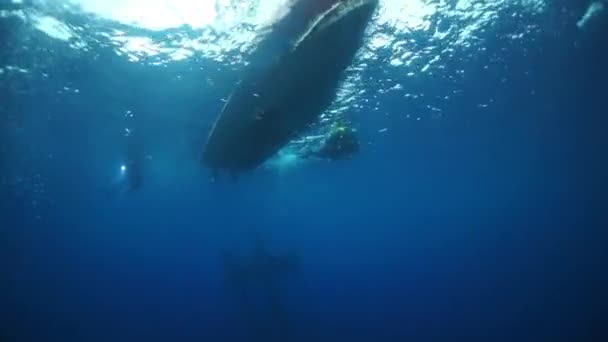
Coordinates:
475 209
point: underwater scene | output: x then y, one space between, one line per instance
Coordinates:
303 170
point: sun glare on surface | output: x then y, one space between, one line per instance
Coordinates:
226 27
153 14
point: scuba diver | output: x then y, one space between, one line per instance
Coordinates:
255 281
340 142
131 172
133 168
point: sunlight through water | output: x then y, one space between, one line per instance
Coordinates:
198 43
409 37
229 24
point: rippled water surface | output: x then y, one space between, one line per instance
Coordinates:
474 209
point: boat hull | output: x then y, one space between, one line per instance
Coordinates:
276 102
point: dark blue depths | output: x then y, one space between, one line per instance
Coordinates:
483 225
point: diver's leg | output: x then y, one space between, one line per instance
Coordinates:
215 175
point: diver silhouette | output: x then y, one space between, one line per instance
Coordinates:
255 281
133 167
130 177
339 143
